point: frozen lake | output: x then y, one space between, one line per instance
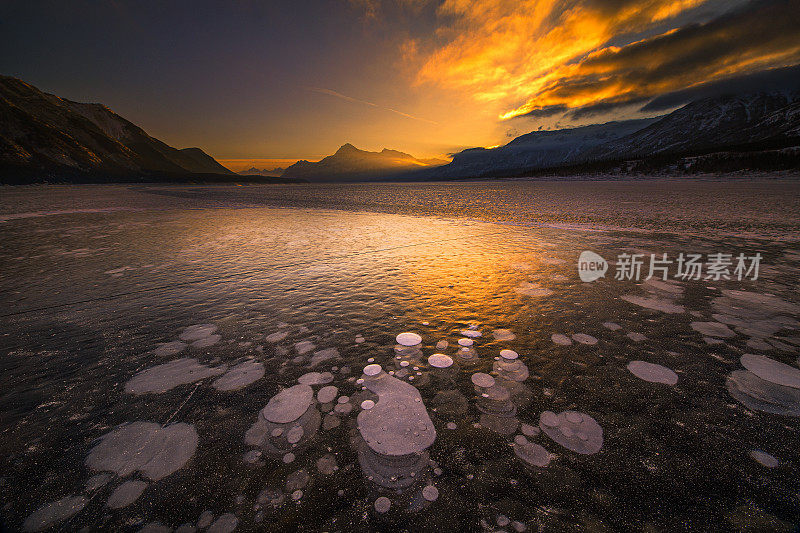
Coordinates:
147 332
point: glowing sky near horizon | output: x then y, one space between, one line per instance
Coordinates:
281 81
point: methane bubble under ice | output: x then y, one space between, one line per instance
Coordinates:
162 378
652 372
575 431
154 450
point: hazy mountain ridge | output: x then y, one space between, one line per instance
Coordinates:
253 171
45 134
712 123
351 164
537 149
758 131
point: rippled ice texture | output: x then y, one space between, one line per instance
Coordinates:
94 279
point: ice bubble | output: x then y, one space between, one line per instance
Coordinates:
467 352
294 435
315 378
289 404
327 394
297 480
331 421
372 370
503 335
657 304
440 360
224 524
548 418
563 340
398 424
359 339
367 404
404 363
636 337
508 354
534 290
205 519
343 408
430 493
613 326
251 456
240 376
466 342
383 504
324 355
296 495
126 494
483 380
326 465
288 458
759 394
770 461
146 447
652 372
52 513
583 338
574 417
197 332
205 342
269 496
162 378
713 329
303 347
169 348
97 481
529 430
584 437
451 425
772 370
155 527
408 339
511 369
531 454
278 336
442 345
471 333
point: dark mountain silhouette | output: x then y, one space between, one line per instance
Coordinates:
351 164
44 137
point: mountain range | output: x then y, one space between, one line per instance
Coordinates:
754 131
351 164
47 138
44 137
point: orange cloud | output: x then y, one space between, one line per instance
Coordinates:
533 57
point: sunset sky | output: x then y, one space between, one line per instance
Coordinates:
278 81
